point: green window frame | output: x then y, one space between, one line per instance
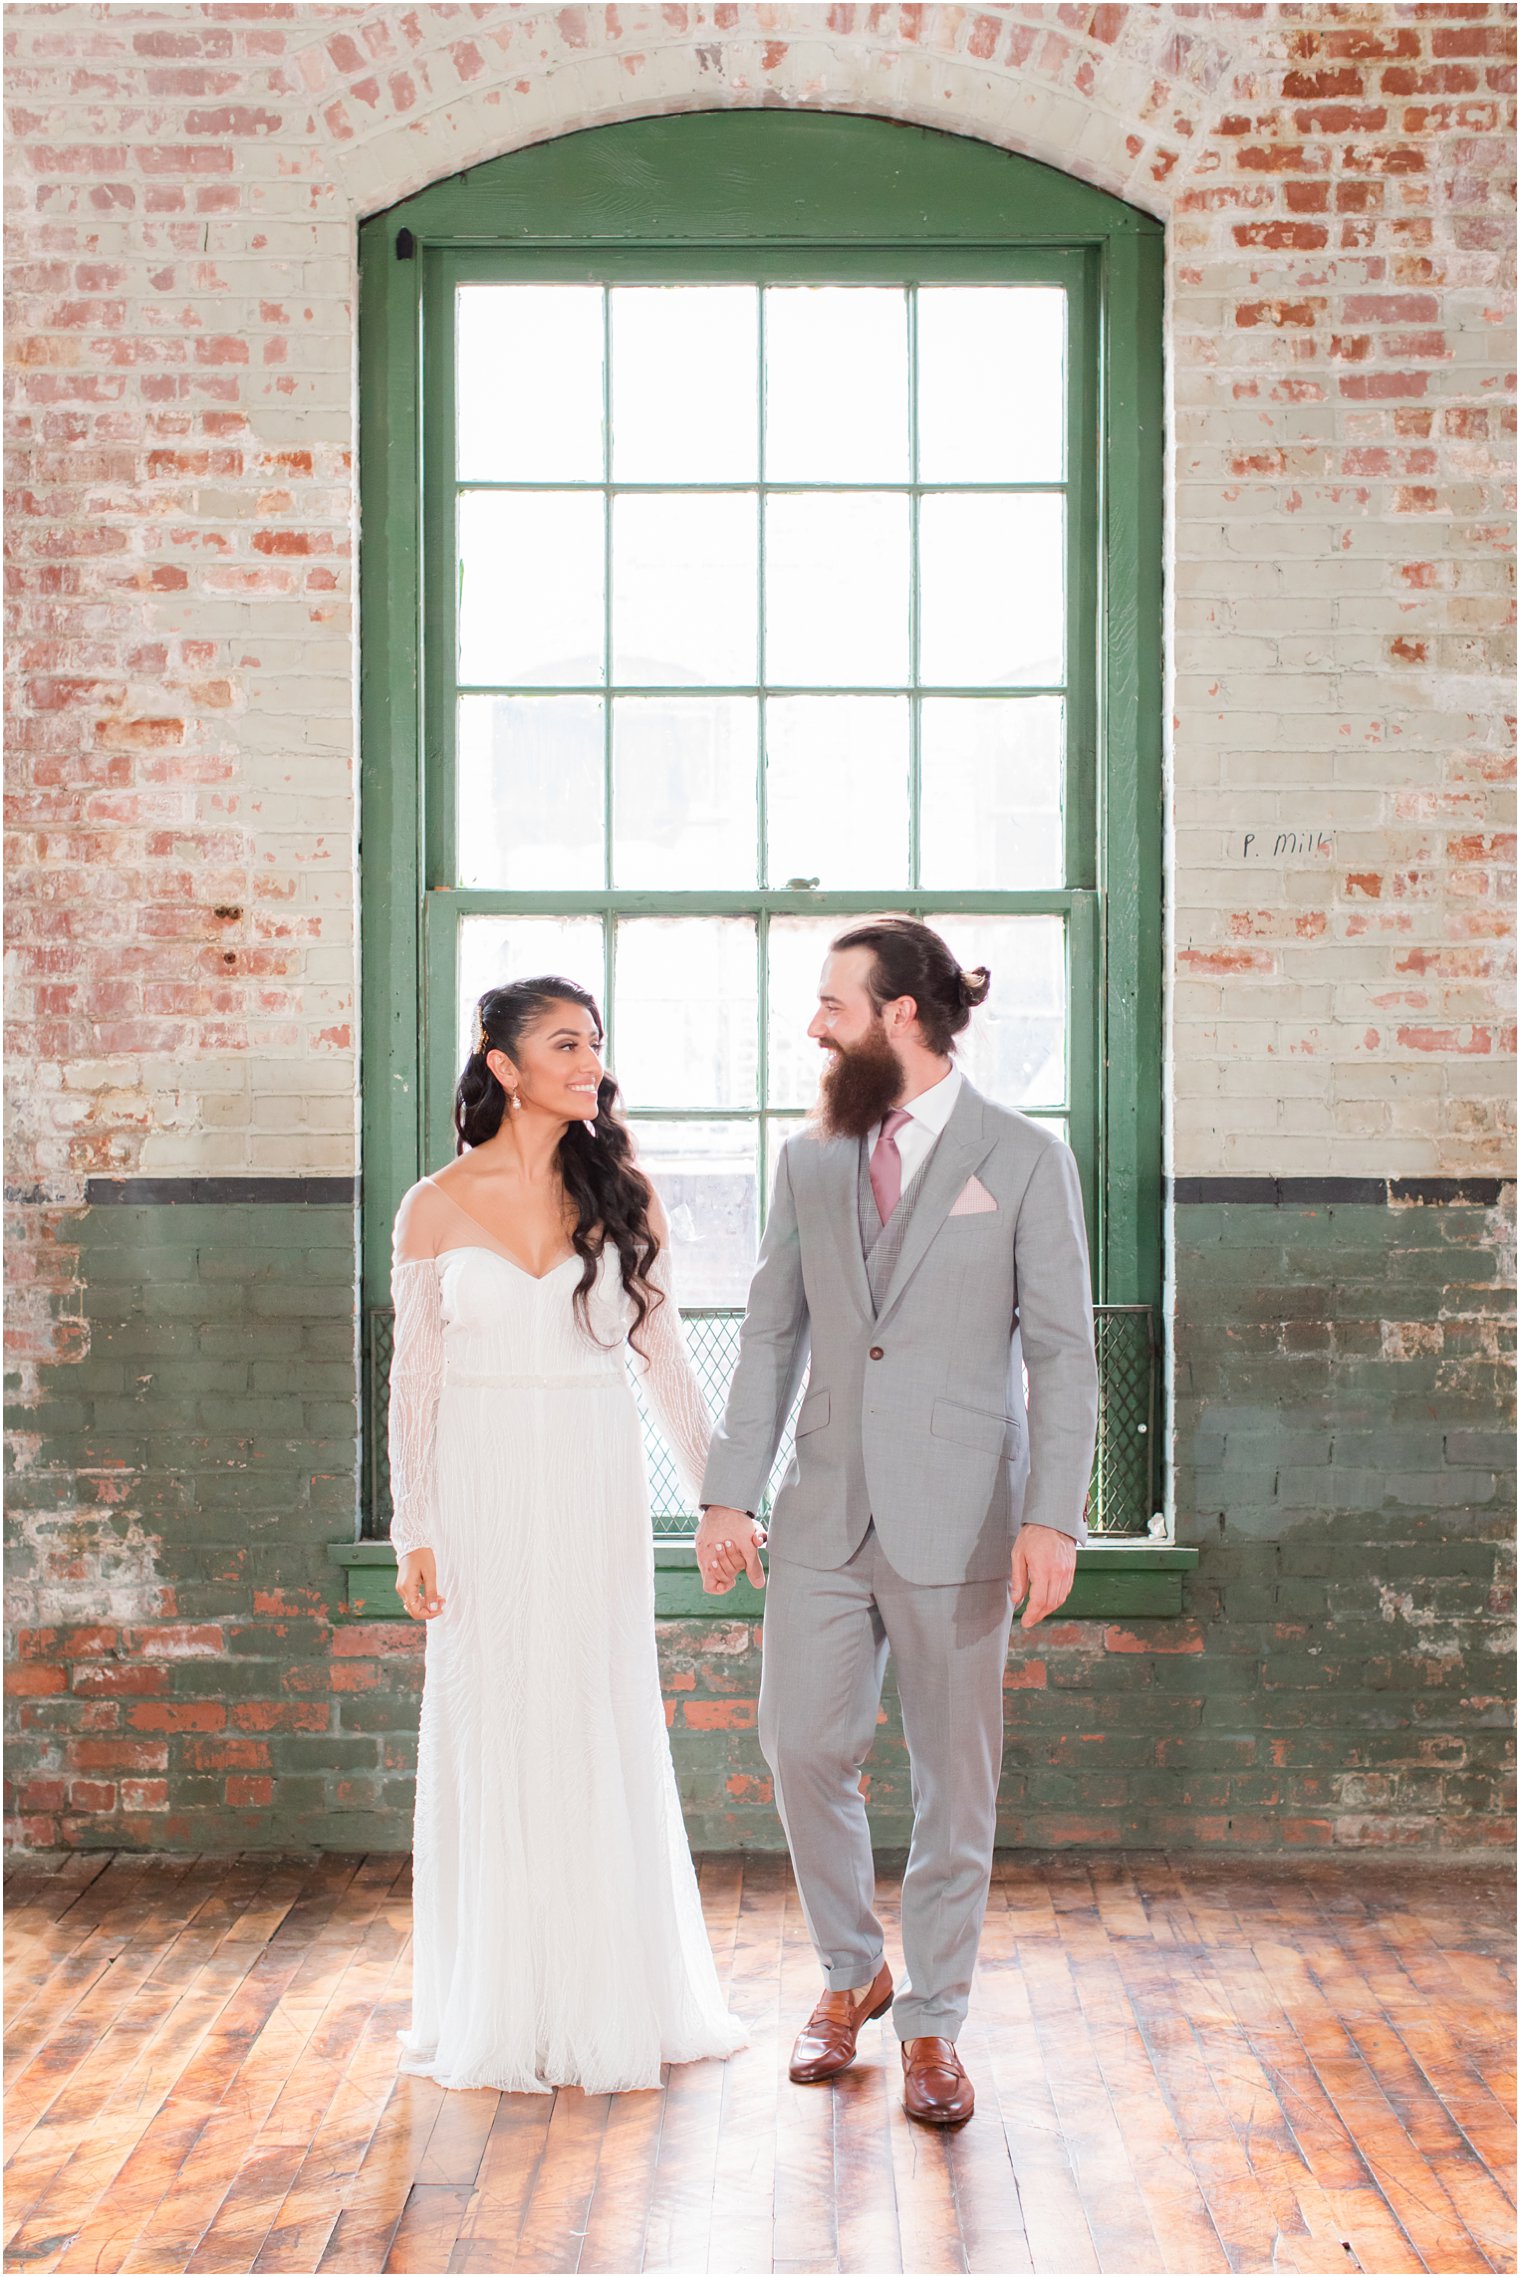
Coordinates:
766 197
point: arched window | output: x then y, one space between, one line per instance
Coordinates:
760 525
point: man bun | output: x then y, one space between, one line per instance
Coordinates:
910 959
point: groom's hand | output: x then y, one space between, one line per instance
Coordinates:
1044 1564
728 1544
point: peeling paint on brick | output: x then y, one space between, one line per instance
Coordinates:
1339 435
73 1566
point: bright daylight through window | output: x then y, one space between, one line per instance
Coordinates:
760 590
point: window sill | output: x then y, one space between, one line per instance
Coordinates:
1120 1581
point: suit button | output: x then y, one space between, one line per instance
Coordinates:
876 1352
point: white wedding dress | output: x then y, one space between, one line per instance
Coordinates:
558 1935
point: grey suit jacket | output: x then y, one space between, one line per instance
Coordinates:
931 1437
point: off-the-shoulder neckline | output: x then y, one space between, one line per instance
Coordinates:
496 1248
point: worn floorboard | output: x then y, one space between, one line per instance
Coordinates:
1183 2066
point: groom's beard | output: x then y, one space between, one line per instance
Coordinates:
860 1082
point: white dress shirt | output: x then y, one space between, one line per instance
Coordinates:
930 1112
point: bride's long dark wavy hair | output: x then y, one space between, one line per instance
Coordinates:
610 1192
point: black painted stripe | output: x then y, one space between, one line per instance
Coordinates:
1290 1193
221 1190
1280 1193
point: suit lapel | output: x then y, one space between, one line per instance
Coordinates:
961 1145
838 1170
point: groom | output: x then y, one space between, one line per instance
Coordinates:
928 1247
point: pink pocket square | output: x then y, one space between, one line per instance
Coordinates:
972 1199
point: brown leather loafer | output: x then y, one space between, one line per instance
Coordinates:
935 2086
826 2043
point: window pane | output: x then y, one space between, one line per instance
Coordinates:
705 1175
991 383
798 946
494 950
685 378
990 792
1015 1047
683 776
837 790
530 587
684 573
530 791
836 384
992 572
836 591
529 387
686 1011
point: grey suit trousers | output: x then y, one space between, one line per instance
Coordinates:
827 1637
916 1444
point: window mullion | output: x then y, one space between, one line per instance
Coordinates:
744 901
762 791
915 695
613 906
609 808
751 688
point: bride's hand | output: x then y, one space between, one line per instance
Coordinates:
417 1585
723 1552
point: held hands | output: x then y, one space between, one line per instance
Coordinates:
1044 1565
417 1585
728 1544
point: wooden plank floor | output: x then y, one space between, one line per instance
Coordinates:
1182 2065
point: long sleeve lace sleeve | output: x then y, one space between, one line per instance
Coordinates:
416 1381
669 1382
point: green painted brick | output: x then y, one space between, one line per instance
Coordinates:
1122 1675
160 1341
184 1382
300 1301
329 1493
214 1302
324 1752
197 1791
160 1269
186 1300
1203 1674
368 1711
303 1799
306 1377
243 1415
1481 1448
330 1417
356 1830
1387 1447
256 1267
239 1494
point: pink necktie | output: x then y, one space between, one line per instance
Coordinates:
886 1162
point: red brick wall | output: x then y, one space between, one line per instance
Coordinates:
184 187
184 184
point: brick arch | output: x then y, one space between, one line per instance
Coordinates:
1335 180
183 185
1112 95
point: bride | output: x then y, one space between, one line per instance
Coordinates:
558 1935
